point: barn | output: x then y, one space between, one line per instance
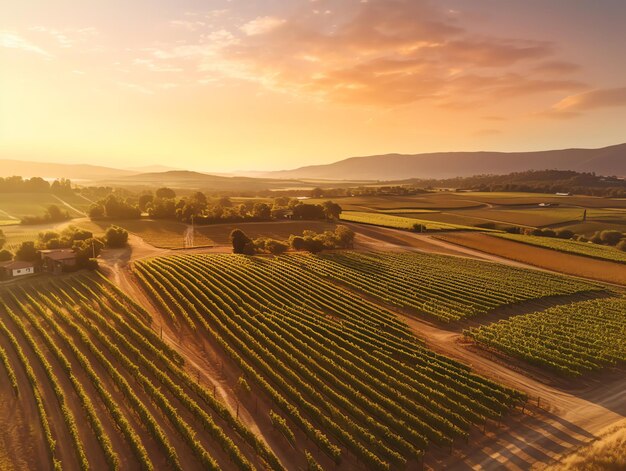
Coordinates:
57 261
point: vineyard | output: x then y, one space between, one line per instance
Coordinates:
345 378
466 288
572 339
106 391
400 222
570 246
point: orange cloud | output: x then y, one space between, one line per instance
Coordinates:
391 52
574 105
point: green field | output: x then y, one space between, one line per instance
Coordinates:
340 370
443 287
398 222
19 205
572 339
570 246
431 201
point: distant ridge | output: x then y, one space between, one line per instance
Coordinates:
604 161
9 168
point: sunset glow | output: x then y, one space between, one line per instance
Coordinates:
236 85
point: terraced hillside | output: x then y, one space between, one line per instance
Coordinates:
345 378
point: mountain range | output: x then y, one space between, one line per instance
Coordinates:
607 161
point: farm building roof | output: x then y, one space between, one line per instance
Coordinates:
15 265
60 254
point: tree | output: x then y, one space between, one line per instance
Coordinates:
331 210
86 252
317 193
165 193
26 252
276 247
145 200
116 237
225 202
3 239
240 241
96 211
5 256
308 211
297 242
344 236
261 211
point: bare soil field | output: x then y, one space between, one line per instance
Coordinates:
543 258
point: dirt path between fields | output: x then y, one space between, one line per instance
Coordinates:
567 418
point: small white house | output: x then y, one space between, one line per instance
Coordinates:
14 269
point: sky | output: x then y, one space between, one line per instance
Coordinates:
227 85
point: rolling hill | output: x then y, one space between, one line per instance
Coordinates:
604 161
9 168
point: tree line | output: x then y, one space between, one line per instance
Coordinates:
17 184
199 209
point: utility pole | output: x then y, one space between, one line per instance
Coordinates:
193 230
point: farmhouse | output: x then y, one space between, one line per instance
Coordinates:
58 260
14 269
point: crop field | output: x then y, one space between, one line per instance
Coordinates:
398 222
19 205
554 260
79 370
570 246
346 378
431 201
159 233
519 198
465 288
572 339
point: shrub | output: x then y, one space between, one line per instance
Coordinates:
116 237
611 237
621 245
417 227
5 256
565 234
276 247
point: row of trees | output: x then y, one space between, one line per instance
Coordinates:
164 204
341 238
53 214
18 184
606 237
